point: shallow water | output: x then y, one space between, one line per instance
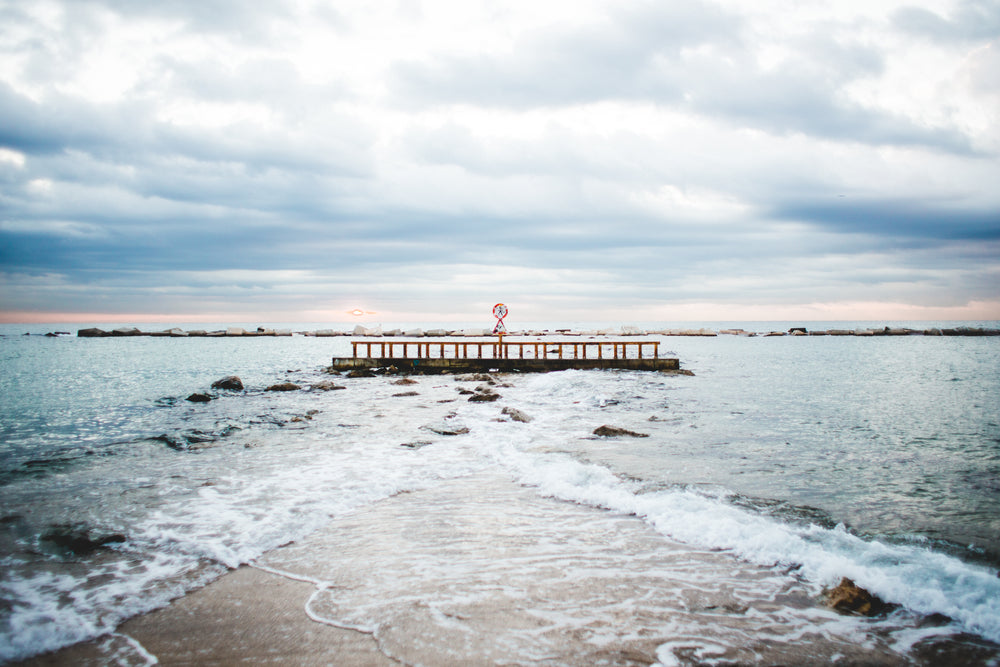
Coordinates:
799 460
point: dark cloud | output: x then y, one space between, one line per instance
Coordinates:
904 220
972 20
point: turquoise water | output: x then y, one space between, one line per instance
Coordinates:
838 445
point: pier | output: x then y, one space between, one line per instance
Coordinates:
439 356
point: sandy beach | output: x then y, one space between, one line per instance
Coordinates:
440 577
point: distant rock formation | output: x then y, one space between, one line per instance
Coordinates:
91 333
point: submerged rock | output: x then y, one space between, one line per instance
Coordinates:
284 386
327 385
416 444
516 415
447 429
476 377
606 431
484 396
230 382
77 539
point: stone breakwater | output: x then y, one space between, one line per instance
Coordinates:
438 333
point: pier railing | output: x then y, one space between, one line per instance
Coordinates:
506 350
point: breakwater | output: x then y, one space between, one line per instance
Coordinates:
439 332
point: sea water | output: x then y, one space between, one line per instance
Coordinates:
795 460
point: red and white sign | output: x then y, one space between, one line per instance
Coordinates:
500 312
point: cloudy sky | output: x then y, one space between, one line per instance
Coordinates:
421 160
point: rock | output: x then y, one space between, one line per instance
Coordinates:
417 444
414 333
606 431
362 331
76 539
516 415
405 381
484 397
126 331
406 393
327 385
476 377
436 332
284 386
849 598
798 330
199 397
235 331
91 333
230 382
447 429
360 373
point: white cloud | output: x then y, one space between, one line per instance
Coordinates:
576 156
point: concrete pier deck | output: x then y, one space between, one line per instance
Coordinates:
432 357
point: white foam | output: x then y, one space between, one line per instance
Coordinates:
920 579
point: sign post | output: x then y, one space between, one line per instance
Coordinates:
500 312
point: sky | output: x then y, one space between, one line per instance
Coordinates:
422 160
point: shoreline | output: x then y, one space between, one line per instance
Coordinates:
245 616
347 594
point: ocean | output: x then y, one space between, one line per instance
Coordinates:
781 466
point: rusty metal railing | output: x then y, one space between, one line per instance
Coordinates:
384 349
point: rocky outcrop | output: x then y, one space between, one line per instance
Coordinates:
230 382
849 598
606 431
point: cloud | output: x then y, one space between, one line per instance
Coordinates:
167 157
971 20
694 58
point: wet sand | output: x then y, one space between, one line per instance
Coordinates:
481 571
248 616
